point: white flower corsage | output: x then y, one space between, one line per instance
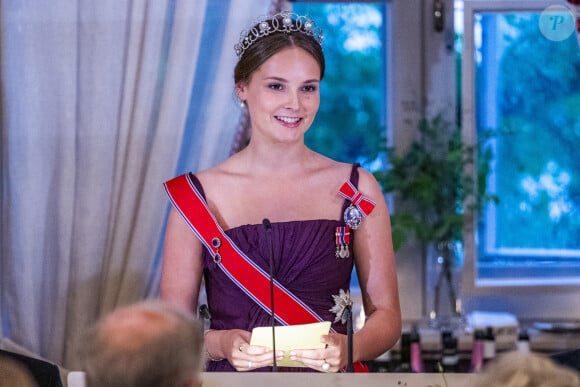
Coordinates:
341 302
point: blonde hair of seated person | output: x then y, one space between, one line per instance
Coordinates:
147 344
515 369
13 374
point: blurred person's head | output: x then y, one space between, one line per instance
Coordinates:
146 344
515 369
14 374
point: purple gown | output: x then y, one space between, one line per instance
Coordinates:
304 263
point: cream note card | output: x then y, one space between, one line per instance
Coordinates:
304 336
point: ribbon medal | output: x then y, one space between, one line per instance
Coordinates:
360 206
342 239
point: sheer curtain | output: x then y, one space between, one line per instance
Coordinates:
94 104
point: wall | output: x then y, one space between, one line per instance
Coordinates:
422 71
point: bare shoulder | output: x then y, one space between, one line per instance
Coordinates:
216 175
367 181
334 169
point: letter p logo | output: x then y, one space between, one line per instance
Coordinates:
557 23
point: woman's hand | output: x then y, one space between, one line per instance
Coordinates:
248 357
243 356
333 358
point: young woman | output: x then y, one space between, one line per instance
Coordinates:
280 202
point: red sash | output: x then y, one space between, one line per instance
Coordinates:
248 276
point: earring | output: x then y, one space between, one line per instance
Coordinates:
242 104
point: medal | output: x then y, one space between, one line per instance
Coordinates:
360 206
352 217
342 237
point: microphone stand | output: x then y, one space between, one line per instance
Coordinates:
204 314
349 334
268 227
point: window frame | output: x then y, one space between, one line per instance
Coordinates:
538 301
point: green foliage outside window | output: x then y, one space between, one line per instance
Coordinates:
538 163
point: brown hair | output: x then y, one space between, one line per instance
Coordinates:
14 373
148 344
265 47
515 369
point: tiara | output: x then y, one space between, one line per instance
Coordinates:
280 22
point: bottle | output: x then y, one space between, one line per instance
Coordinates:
477 351
523 344
489 345
449 355
416 356
405 361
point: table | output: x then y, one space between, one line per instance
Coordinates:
286 379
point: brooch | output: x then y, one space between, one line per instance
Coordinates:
216 243
341 302
360 206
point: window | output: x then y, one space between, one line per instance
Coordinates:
521 81
351 123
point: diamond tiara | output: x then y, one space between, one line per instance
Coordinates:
281 22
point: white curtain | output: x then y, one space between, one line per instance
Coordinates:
95 97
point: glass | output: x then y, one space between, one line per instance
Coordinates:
443 282
528 95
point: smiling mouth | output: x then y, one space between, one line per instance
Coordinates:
289 120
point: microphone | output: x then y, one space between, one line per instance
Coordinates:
268 227
349 333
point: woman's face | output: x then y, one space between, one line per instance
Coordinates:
283 96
